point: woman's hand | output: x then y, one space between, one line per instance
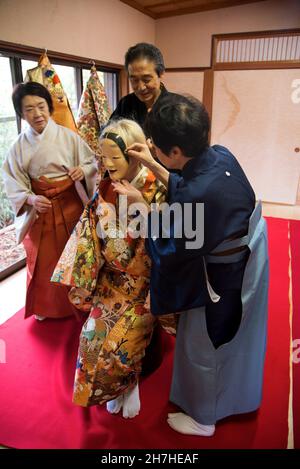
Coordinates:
39 202
141 152
76 173
125 188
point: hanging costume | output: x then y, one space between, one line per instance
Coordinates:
221 290
93 114
45 74
111 276
32 166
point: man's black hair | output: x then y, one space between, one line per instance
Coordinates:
143 50
180 121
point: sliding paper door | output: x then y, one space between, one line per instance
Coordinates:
185 82
256 114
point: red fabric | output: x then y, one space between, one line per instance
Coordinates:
36 386
44 244
295 259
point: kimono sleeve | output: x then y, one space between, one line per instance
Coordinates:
86 160
81 259
18 188
16 182
170 238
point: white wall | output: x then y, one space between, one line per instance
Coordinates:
186 40
97 29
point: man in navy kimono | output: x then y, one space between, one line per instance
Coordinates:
211 267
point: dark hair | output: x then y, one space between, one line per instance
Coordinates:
31 88
143 50
181 121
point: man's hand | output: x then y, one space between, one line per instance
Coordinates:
76 173
39 202
142 153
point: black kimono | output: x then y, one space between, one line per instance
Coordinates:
130 107
178 280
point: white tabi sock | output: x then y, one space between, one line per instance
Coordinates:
132 403
115 405
182 423
39 318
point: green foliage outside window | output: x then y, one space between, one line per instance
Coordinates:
8 134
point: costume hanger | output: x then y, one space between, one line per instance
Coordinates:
93 64
43 57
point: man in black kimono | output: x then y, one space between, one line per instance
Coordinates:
145 66
199 267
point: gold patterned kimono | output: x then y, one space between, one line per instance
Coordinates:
111 278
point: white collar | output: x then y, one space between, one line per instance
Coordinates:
34 137
139 180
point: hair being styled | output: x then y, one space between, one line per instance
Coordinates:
30 88
127 129
143 50
179 121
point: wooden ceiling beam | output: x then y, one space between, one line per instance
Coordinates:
137 6
153 10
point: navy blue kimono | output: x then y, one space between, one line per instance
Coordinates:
221 334
178 281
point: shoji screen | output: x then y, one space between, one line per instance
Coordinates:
256 113
185 82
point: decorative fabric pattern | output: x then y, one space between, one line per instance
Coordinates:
93 114
45 74
111 279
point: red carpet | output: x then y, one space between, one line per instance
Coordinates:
36 386
295 259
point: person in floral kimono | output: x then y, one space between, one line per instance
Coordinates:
109 269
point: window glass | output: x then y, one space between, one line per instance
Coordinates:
8 134
27 65
10 253
67 76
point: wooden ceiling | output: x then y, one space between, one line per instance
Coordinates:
164 8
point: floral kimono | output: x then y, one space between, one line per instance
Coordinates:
93 114
111 279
